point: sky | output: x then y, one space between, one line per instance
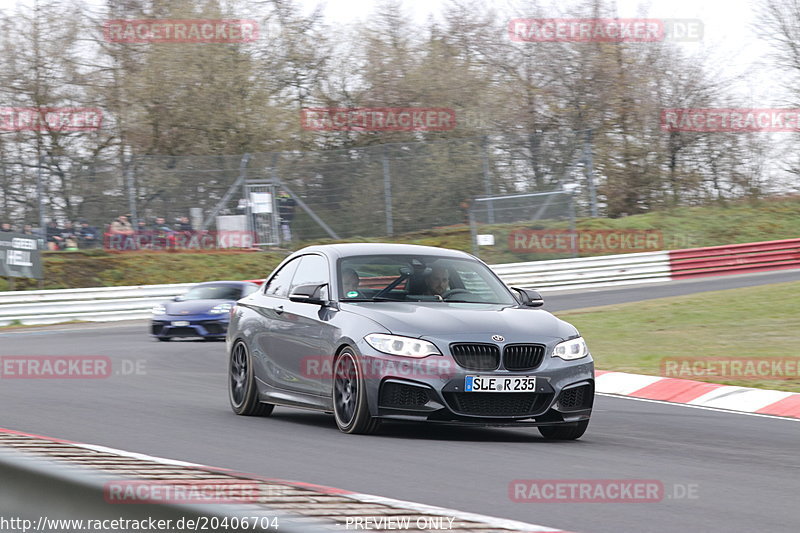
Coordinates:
730 33
730 39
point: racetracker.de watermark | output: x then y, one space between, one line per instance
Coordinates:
731 367
180 31
50 118
598 491
584 241
732 120
185 491
66 367
321 367
604 30
179 240
377 118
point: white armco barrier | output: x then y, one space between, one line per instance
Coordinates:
127 303
586 272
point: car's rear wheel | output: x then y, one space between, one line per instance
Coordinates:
350 406
241 384
569 431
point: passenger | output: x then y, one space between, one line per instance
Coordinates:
350 282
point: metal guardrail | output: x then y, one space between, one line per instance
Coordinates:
588 272
127 303
54 497
103 304
735 259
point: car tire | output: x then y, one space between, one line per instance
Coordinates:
571 431
242 384
164 339
350 408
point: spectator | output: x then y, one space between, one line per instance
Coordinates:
142 227
121 226
183 224
6 227
53 234
87 235
161 226
68 231
286 213
27 229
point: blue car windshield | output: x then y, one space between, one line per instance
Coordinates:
419 279
213 292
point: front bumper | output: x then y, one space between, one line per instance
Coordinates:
432 389
206 326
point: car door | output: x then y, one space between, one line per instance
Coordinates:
270 304
303 336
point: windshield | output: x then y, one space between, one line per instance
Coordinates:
419 278
213 292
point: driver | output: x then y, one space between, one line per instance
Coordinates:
437 281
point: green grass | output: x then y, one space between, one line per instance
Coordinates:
753 322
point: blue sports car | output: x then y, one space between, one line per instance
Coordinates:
203 312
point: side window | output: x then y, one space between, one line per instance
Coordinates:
279 284
313 269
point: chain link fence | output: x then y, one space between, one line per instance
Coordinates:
368 192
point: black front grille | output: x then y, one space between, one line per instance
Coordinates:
523 356
156 328
576 398
402 396
476 356
495 403
182 332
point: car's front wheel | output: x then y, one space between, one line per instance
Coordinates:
241 384
350 406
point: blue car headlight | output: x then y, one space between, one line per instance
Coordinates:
405 346
220 309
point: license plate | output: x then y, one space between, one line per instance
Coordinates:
500 384
180 323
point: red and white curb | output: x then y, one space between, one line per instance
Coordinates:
466 522
699 394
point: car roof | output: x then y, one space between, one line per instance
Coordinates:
372 248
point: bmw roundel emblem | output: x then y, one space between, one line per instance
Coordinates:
498 338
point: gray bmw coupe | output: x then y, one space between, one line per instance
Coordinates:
373 332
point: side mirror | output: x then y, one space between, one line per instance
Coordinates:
178 299
529 297
310 294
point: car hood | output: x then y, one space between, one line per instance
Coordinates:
453 319
193 307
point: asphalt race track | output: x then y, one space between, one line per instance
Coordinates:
170 400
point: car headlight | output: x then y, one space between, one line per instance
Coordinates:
405 346
159 310
220 309
571 349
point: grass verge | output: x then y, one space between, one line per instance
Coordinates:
754 322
